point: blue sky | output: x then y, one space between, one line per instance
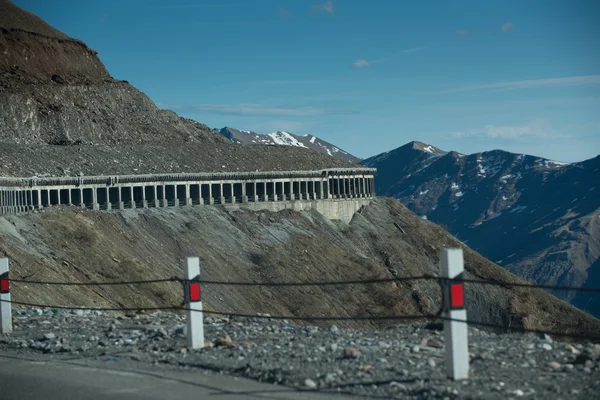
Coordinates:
368 76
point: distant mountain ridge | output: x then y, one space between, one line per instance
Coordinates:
536 217
286 139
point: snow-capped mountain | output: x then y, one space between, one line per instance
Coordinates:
536 217
283 138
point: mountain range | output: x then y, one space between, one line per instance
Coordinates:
538 218
286 139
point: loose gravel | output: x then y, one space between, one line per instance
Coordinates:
405 361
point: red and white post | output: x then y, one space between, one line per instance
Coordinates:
455 331
193 300
5 305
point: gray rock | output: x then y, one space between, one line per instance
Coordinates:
330 378
351 352
310 384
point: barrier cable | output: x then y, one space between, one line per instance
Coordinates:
528 285
317 318
316 283
522 330
92 283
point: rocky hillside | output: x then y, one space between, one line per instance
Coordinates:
537 218
281 138
384 239
59 103
55 90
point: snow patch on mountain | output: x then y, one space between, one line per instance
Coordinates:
284 138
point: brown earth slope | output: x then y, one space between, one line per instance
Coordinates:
73 244
55 91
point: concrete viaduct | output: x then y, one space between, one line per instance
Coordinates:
337 193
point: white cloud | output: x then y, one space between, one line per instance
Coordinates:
507 26
265 110
326 7
537 128
461 32
588 80
360 64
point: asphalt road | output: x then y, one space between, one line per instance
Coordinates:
29 379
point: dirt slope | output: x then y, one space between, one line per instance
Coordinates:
68 244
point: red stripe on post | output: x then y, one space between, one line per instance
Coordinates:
457 297
194 291
4 285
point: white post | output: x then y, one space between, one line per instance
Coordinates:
455 332
195 333
5 305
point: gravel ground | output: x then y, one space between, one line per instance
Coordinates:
405 361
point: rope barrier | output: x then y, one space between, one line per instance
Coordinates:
26 304
321 283
317 318
24 281
523 330
529 285
317 283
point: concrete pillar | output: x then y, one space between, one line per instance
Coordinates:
255 193
120 199
108 203
95 205
232 193
222 198
275 197
39 199
131 198
362 186
200 198
188 198
211 200
165 202
244 196
81 202
69 199
156 201
292 194
144 202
